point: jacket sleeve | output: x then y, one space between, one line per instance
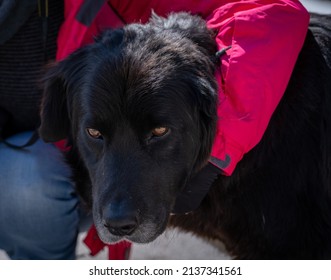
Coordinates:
265 38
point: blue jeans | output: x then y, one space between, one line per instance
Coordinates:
39 214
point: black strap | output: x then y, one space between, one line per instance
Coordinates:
222 51
89 10
196 190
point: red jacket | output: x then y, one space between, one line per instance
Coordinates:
266 37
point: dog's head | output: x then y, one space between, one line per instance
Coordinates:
139 106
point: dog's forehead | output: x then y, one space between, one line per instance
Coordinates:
138 104
129 81
142 104
139 80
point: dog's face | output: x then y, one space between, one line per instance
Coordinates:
139 107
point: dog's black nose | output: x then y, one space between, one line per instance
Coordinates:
121 224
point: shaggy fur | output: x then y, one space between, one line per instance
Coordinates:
276 205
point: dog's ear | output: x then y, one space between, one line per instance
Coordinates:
191 27
59 82
54 112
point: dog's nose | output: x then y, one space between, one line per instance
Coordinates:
121 224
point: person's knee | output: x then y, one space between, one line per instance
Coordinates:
38 205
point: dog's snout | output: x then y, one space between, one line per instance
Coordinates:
121 224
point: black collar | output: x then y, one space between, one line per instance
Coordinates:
196 189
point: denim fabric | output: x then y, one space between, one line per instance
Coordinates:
39 214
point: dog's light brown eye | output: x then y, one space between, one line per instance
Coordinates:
160 131
94 133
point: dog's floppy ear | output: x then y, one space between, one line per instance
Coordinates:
59 82
54 113
188 26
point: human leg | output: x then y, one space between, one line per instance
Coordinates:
38 206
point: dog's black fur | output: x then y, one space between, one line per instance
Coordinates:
277 204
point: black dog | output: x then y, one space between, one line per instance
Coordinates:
139 109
